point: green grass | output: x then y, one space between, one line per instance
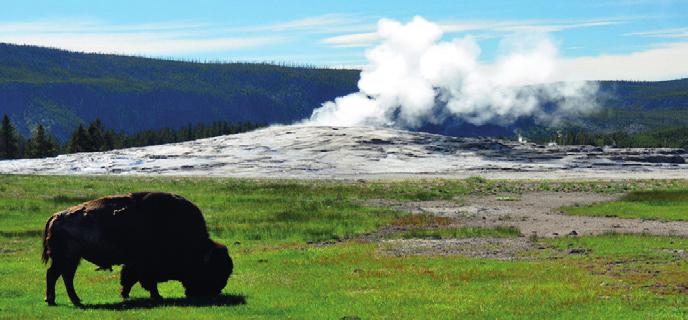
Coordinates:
456 233
656 263
654 205
268 225
235 209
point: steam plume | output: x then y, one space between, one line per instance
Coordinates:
413 77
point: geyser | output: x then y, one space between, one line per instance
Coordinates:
413 77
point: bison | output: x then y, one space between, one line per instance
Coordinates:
155 236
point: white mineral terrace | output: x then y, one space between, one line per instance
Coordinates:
306 152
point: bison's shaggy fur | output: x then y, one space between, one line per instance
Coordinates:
155 236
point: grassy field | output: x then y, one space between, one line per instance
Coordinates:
297 255
654 205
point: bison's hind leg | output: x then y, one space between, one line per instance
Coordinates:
65 259
51 279
68 272
66 269
128 278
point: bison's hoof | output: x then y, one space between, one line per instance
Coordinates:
50 302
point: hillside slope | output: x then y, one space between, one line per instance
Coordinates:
62 89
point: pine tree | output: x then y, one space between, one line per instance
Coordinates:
110 140
189 133
41 145
79 141
96 136
9 142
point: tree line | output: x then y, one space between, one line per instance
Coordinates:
96 137
671 137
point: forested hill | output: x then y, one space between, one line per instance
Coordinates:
62 89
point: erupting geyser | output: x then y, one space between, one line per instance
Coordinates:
413 77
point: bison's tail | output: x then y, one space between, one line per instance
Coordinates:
46 249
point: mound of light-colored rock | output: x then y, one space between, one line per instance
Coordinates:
363 152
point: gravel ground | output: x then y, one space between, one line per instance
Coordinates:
493 248
535 214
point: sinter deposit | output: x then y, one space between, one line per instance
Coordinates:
306 152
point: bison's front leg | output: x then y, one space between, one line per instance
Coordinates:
128 279
152 287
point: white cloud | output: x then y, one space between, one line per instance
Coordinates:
353 40
311 22
627 3
141 43
662 33
498 28
527 26
664 62
322 24
168 38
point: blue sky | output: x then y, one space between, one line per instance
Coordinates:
638 39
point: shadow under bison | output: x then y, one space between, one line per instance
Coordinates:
219 301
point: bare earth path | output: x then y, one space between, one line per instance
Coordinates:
532 213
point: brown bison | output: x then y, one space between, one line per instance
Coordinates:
155 236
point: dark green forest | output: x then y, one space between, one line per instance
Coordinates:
96 137
62 90
671 137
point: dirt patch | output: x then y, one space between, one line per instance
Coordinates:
535 214
494 248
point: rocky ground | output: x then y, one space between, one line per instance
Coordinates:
361 152
535 214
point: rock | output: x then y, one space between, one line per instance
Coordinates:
651 158
573 233
578 251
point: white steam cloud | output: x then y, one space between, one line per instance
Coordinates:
413 77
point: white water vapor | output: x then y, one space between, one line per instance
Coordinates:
413 77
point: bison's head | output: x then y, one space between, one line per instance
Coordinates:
211 277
